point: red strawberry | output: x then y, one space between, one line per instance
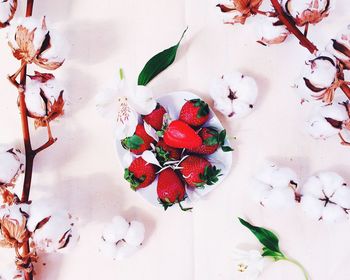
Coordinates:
194 112
198 172
155 118
139 142
180 135
166 153
170 189
212 139
140 173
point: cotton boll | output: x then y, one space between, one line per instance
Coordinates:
334 213
342 197
108 249
59 48
124 250
135 234
319 128
283 177
11 163
234 94
313 187
260 191
340 47
331 182
39 210
7 11
280 198
271 31
312 206
116 230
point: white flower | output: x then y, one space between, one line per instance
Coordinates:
7 11
271 31
340 47
275 186
31 41
248 264
307 11
44 98
121 103
329 120
121 239
11 162
53 229
319 79
234 94
11 273
326 196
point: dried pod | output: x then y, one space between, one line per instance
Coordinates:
237 11
319 79
306 11
44 98
31 41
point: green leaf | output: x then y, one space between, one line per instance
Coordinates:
266 237
275 255
158 63
132 143
226 148
203 107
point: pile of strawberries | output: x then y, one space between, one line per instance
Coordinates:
181 151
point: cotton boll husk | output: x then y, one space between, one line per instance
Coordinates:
124 250
5 10
334 213
135 234
312 206
331 181
342 197
10 167
115 231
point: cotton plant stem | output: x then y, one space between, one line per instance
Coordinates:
290 25
298 264
345 88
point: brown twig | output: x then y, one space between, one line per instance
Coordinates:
345 88
290 25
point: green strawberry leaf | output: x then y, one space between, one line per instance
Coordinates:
162 155
134 181
209 177
226 148
211 141
203 107
132 143
265 236
158 63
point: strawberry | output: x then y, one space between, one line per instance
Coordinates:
139 142
179 134
212 140
170 189
198 171
194 112
140 173
166 153
155 118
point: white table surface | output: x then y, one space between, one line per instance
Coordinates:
83 172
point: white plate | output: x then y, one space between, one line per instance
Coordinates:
173 103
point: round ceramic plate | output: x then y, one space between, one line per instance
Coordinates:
173 103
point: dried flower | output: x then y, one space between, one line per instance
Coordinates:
249 264
306 11
275 186
121 239
31 41
7 11
13 224
237 11
272 31
340 48
330 120
326 196
234 94
122 103
11 162
44 98
319 79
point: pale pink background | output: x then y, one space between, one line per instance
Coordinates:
83 172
